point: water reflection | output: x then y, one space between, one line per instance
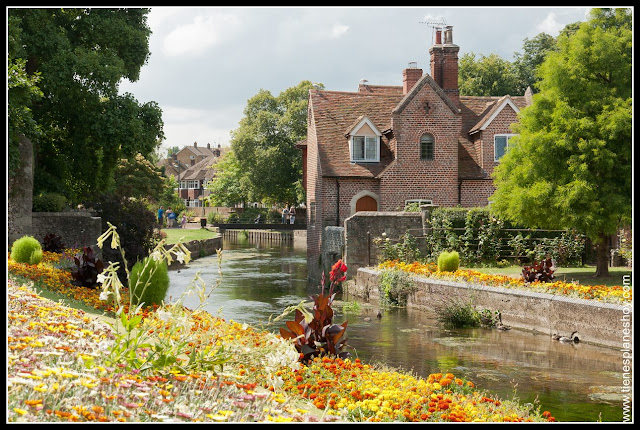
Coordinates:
574 382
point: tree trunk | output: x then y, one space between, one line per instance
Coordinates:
602 256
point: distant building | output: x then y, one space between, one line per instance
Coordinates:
192 167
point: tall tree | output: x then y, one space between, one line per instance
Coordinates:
264 143
81 55
526 64
570 166
488 76
230 184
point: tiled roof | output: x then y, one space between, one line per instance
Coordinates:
202 170
477 110
334 112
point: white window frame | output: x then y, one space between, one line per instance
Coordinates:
367 140
354 134
193 184
506 148
419 201
182 185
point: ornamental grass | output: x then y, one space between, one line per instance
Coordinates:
603 293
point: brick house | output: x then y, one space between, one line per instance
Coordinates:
192 167
382 147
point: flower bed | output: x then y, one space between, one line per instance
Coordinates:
57 372
615 294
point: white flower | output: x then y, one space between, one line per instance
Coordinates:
156 255
180 256
163 315
101 278
104 295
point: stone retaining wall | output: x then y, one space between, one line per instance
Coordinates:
206 246
597 323
77 229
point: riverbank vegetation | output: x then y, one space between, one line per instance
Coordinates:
168 363
604 293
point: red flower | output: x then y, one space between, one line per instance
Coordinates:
338 271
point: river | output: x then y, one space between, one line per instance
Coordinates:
574 382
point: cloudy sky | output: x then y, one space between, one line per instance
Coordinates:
205 63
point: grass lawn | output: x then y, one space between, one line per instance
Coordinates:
585 275
187 234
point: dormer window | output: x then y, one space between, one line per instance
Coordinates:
365 148
364 142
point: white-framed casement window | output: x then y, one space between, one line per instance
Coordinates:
365 149
500 145
193 184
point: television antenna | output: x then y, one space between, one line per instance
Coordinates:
434 25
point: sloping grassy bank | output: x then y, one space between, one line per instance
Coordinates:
58 370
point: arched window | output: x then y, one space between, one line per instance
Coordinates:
426 147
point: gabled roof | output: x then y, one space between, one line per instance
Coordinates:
362 120
335 113
493 112
202 170
426 79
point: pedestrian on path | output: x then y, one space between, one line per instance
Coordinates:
160 215
292 214
285 215
171 217
183 223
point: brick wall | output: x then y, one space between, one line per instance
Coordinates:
410 177
476 193
501 124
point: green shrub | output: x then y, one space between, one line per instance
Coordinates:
49 202
149 281
448 261
395 286
36 257
215 218
23 248
136 225
458 314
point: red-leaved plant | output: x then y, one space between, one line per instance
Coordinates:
539 271
319 337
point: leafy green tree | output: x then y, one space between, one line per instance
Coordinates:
138 177
526 64
230 184
80 56
22 92
264 143
570 166
488 76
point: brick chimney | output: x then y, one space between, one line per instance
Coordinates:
195 144
410 76
444 63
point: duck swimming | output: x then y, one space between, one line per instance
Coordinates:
570 338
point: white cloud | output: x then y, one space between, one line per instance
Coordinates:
339 30
200 125
550 25
199 35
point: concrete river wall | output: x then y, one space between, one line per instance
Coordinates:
598 323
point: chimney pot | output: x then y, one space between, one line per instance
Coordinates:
438 36
208 146
195 144
448 35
